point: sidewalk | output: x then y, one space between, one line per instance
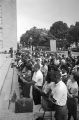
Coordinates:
8 81
4 67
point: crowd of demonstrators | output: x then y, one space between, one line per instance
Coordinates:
54 74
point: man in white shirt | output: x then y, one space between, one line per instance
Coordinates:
37 79
60 98
44 70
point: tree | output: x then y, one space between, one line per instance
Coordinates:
35 37
59 29
73 34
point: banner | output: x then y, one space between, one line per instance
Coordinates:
53 45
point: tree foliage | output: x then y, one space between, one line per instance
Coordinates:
59 29
73 33
35 36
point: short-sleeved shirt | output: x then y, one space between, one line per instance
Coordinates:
38 78
60 93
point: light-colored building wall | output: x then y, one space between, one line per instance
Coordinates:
9 24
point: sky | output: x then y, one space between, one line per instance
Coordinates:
43 13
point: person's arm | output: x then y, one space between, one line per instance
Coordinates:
69 95
52 99
68 89
19 73
75 93
42 93
31 82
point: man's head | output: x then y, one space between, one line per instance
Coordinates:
36 67
57 76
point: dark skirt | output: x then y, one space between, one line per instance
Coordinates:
36 95
26 90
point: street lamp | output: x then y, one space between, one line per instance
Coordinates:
30 44
30 41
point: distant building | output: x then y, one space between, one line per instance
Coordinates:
8 24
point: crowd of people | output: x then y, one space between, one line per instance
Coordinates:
52 76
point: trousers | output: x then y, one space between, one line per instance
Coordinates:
72 108
61 112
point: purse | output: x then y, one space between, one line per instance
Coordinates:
24 105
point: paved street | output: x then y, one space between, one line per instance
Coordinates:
3 58
4 66
9 83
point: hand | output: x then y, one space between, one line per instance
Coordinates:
70 95
75 96
21 77
52 99
18 74
23 80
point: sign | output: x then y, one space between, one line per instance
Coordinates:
53 45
